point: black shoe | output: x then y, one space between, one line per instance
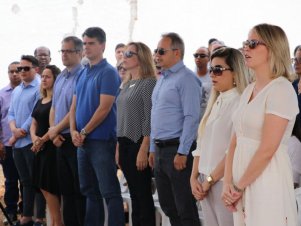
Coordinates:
29 223
12 217
38 223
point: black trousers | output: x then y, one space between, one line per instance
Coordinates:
73 201
174 191
139 182
11 195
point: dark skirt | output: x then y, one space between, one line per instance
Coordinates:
45 174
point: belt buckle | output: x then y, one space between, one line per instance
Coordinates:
159 144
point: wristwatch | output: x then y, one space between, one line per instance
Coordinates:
210 180
83 132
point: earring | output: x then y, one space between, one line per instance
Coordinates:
234 83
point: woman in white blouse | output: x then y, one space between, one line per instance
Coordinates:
229 78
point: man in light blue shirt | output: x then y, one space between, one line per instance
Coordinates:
23 100
175 117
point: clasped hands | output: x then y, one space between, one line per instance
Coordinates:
230 196
199 190
57 139
37 144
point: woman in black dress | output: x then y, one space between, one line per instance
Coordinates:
45 172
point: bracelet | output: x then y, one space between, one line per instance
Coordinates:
238 189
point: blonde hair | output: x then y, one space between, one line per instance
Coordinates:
279 52
235 60
145 59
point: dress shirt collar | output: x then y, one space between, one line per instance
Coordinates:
173 69
71 72
8 88
34 82
229 93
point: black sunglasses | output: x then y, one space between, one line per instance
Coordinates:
200 55
162 51
129 54
218 71
26 68
296 60
252 44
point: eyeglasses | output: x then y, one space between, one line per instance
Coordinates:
218 71
162 51
252 44
129 54
296 60
68 51
25 69
200 55
13 71
119 68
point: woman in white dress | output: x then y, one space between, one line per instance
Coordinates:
258 184
229 77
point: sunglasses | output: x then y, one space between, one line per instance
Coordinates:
25 69
218 71
162 51
252 44
119 68
129 54
200 55
68 51
13 71
296 60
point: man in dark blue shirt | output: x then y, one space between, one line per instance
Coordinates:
93 131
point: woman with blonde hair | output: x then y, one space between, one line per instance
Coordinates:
258 183
229 78
133 130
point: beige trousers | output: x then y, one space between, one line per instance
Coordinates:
214 211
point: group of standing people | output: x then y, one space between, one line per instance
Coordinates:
245 160
66 131
241 151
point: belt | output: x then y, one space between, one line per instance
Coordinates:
167 143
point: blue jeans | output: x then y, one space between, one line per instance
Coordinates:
11 195
97 177
23 158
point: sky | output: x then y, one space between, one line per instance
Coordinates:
27 24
